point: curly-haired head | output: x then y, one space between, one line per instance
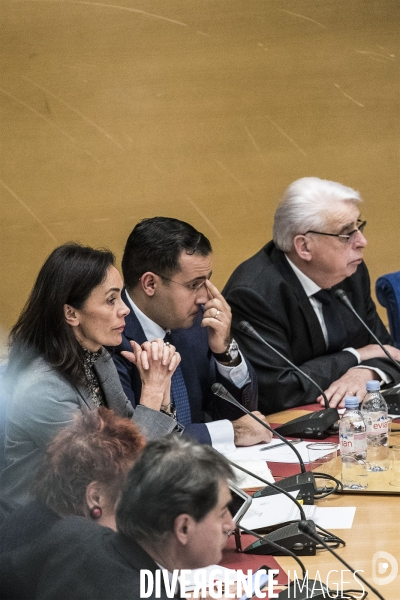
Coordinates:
98 446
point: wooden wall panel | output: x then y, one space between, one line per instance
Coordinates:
200 109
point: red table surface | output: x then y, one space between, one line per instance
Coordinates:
280 470
238 560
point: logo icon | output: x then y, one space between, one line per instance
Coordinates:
381 574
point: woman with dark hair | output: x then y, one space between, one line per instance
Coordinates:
83 473
58 365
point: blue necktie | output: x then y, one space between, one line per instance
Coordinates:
333 321
179 395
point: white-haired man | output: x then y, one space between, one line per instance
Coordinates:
317 246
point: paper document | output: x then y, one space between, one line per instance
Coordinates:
258 467
257 453
335 517
272 510
282 454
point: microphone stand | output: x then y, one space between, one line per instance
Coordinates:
304 481
302 594
287 536
274 486
391 395
312 534
342 296
219 390
277 547
311 426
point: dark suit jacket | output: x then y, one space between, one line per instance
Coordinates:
25 524
199 372
265 291
76 560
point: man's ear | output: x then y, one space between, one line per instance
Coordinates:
183 528
71 315
302 247
149 282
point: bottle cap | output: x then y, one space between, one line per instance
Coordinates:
373 386
351 402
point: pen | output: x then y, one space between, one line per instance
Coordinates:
278 445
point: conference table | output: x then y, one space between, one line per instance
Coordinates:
375 529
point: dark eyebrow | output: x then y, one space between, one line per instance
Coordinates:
200 278
113 290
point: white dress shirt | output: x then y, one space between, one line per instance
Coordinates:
311 288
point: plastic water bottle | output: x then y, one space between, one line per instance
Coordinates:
375 413
353 446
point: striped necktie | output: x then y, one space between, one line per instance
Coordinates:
179 395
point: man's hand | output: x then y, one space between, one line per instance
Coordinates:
351 383
375 351
248 432
156 363
217 318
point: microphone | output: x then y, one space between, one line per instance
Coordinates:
287 540
219 390
272 485
312 534
344 299
315 424
249 330
281 549
288 537
391 395
303 481
302 590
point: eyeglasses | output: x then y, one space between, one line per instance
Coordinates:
346 238
194 287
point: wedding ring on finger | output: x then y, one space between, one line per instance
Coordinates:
167 344
216 314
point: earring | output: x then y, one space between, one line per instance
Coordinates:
95 512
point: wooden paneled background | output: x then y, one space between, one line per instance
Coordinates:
205 110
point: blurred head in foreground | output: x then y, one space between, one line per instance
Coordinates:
86 464
175 503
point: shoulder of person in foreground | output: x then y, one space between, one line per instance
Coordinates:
75 560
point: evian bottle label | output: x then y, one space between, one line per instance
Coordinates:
377 424
353 442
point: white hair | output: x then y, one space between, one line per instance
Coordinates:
305 206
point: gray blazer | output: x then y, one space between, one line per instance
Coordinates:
42 402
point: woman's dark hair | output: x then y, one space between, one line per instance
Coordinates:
97 446
156 245
68 276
